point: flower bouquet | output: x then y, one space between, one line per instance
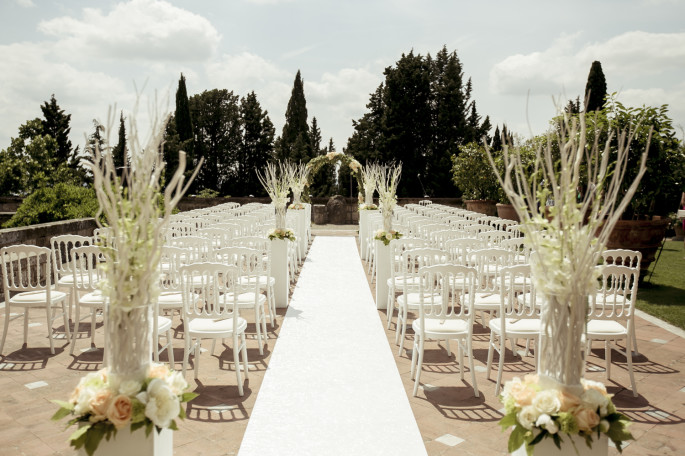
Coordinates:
368 207
537 413
282 233
296 207
276 182
103 403
387 236
388 179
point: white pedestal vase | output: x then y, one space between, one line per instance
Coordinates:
571 446
136 443
301 232
382 273
279 271
364 233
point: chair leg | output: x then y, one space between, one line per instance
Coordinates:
4 331
607 358
419 366
48 312
447 346
390 305
490 347
629 359
170 347
186 353
196 359
472 367
65 320
500 367
77 316
93 316
244 354
26 326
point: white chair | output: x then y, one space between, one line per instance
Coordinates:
210 308
518 316
610 315
412 261
249 263
267 281
86 260
632 259
488 263
24 287
61 262
397 247
445 313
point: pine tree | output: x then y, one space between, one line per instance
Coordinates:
294 143
496 140
119 152
367 141
573 106
256 148
56 124
595 88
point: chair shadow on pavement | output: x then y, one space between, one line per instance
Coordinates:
28 359
218 403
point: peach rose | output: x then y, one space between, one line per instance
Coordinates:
99 404
531 378
522 394
586 418
568 401
158 371
120 410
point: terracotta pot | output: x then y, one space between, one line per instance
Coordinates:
507 211
642 235
679 231
488 207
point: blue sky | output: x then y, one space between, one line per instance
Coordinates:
520 54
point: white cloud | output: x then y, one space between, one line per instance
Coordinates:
565 64
148 30
25 3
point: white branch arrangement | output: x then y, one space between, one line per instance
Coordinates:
299 178
388 180
567 238
276 181
370 178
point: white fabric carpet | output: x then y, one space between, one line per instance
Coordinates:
332 386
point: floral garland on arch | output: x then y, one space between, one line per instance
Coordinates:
316 163
585 182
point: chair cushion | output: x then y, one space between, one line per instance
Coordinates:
170 299
37 297
163 325
602 328
487 301
413 300
442 326
246 299
515 326
93 298
210 326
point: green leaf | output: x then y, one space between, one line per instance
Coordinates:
148 428
173 426
185 397
507 421
61 413
93 439
182 413
516 438
78 438
138 425
539 437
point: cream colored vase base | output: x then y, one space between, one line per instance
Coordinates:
127 443
600 447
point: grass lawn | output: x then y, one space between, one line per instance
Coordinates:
664 295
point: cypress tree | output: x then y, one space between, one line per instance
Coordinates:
595 88
256 146
56 124
119 151
496 140
294 143
184 124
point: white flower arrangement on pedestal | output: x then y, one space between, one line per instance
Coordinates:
370 177
280 233
136 213
388 180
387 236
298 175
276 182
566 239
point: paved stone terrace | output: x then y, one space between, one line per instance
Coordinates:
450 419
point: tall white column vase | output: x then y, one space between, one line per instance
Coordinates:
382 273
364 233
279 271
301 231
136 443
572 445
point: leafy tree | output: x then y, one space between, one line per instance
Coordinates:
256 146
216 117
119 152
368 140
294 143
496 143
595 88
47 204
323 183
573 106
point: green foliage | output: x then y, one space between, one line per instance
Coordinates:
208 193
49 204
473 174
323 182
119 152
595 88
662 185
56 124
419 116
256 146
663 295
294 144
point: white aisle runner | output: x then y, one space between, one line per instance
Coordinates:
332 386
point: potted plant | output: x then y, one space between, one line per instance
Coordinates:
644 223
472 174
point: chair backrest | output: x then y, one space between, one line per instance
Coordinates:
88 262
413 260
181 228
493 238
446 291
617 293
249 262
26 268
254 242
171 260
489 262
218 237
460 248
517 293
519 250
209 291
475 228
232 229
439 238
198 246
61 251
622 257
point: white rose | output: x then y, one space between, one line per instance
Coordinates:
82 405
177 383
527 416
130 387
162 405
594 400
388 236
546 421
506 392
547 402
604 426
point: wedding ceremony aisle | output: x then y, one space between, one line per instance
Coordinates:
332 386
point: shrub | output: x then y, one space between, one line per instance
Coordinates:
51 204
208 193
473 175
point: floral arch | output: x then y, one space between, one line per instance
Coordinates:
316 163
